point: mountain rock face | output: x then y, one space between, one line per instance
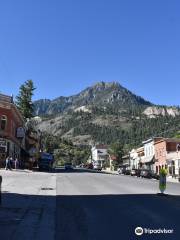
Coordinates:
104 113
153 112
101 94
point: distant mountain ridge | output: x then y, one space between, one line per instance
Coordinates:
105 113
101 94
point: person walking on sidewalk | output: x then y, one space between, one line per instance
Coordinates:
8 164
16 163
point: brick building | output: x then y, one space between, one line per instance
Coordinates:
166 154
12 135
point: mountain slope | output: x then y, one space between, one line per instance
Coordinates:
101 94
105 112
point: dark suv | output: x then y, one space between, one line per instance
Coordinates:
145 173
138 172
155 175
127 172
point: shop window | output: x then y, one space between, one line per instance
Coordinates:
3 122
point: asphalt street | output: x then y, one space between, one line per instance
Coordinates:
27 210
95 206
84 205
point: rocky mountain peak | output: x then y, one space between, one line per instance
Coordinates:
105 85
99 95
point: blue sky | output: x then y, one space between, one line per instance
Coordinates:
67 45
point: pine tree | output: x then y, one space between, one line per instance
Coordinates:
24 99
117 150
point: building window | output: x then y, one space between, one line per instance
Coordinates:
3 122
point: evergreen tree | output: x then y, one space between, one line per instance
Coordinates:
24 99
117 150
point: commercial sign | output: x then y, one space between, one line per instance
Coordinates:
20 132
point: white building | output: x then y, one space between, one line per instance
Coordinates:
133 159
100 153
173 162
148 162
136 157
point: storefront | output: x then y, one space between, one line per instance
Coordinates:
3 151
12 134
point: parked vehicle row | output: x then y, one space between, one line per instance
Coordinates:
96 166
144 173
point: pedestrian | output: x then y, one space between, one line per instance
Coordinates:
7 163
10 163
16 163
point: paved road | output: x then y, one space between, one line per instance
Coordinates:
86 206
27 211
93 206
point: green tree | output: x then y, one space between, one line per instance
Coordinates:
116 149
24 99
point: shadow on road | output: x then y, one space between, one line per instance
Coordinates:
102 217
27 216
89 217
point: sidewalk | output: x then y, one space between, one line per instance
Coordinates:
169 179
28 206
173 180
110 172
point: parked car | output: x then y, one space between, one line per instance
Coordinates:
45 161
138 172
89 166
97 165
155 175
121 170
145 173
133 172
127 172
82 165
68 166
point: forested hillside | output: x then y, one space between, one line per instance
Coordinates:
106 113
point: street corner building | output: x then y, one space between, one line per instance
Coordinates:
12 133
